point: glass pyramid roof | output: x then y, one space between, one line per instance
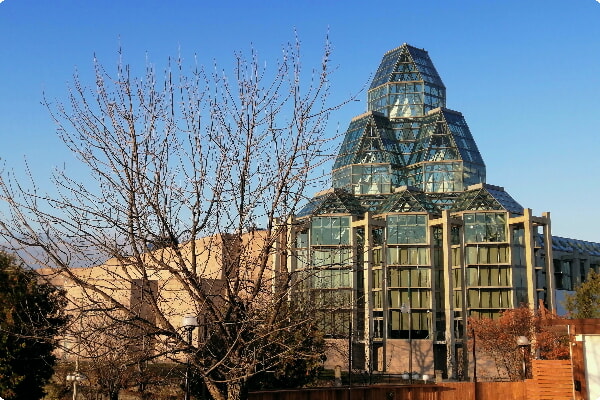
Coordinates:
406 63
407 138
445 135
369 140
486 197
332 201
407 200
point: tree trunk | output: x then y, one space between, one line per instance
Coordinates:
237 390
213 389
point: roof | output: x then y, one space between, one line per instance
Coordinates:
406 63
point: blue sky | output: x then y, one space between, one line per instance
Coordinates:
525 73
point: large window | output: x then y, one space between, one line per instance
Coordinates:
332 278
327 278
377 292
562 274
330 231
409 277
331 257
442 177
486 254
400 324
483 298
485 227
416 298
407 256
489 275
407 229
334 323
301 250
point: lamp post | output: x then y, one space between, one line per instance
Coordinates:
188 323
74 377
523 344
405 309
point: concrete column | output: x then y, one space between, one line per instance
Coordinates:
448 293
550 284
529 258
368 284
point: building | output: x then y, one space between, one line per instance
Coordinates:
153 286
410 240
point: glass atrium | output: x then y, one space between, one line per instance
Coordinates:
411 241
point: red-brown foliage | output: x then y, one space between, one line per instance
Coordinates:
498 339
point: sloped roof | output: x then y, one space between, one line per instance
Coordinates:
574 245
486 198
407 199
406 63
445 136
369 140
332 201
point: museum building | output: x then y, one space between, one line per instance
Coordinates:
410 240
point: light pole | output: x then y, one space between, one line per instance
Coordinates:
188 323
74 377
405 309
523 344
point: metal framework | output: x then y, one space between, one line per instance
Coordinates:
411 224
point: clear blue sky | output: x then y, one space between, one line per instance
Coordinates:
525 73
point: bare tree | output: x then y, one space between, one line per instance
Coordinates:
110 353
175 176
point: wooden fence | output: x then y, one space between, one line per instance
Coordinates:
552 380
440 391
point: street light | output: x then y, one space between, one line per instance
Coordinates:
75 377
523 344
188 323
405 309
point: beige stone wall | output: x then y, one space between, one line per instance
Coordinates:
121 279
397 356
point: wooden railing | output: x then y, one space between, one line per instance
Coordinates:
552 380
440 391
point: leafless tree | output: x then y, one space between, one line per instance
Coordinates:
175 175
109 353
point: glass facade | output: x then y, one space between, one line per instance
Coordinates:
325 266
407 137
411 241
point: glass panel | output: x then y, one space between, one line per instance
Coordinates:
457 274
395 298
406 229
484 277
485 299
485 227
495 276
473 276
377 299
394 277
327 257
474 298
457 299
330 230
377 278
395 317
493 255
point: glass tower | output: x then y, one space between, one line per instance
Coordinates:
410 240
